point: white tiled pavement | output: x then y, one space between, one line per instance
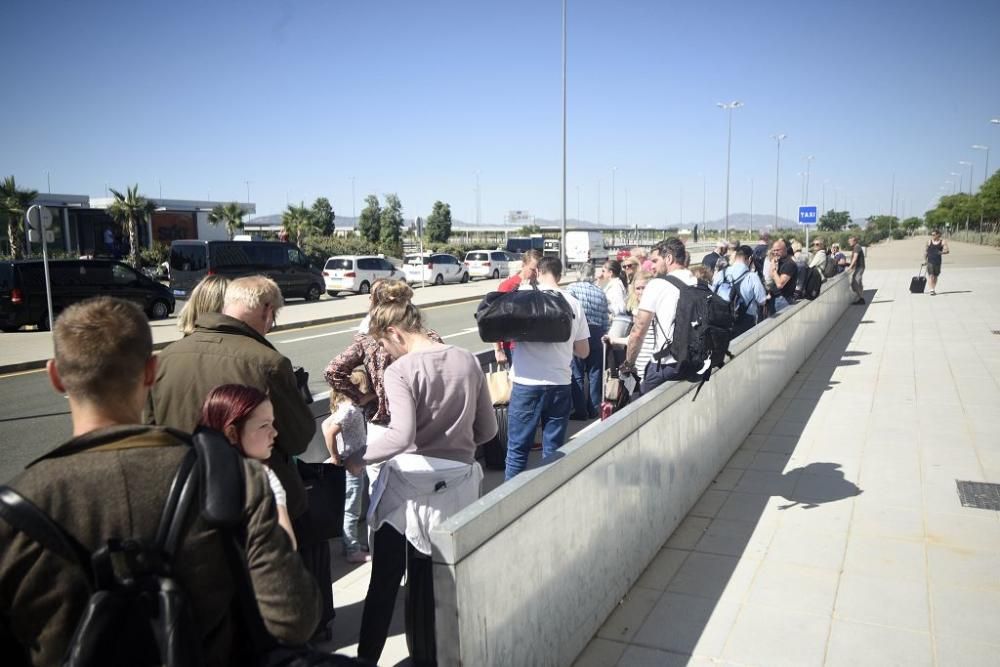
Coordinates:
835 535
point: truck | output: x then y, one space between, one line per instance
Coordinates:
585 246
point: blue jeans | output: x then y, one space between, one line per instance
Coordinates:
529 405
587 399
353 489
780 303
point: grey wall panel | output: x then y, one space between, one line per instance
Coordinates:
529 573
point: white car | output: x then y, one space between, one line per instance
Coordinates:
436 268
356 273
488 263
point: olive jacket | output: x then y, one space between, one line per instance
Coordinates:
98 495
224 350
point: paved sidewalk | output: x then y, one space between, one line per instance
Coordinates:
24 350
835 534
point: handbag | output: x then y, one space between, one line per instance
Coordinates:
535 316
302 384
324 519
500 385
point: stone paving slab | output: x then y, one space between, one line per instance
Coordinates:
835 534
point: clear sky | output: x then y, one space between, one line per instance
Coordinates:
415 97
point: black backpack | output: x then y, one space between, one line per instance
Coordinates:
703 327
736 304
137 613
813 284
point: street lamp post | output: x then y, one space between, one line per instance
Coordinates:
986 169
354 208
562 237
750 228
809 159
613 170
248 200
728 107
959 187
970 165
478 199
777 174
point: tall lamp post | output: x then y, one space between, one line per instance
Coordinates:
750 228
958 186
354 207
613 171
970 165
777 175
986 169
728 107
809 159
562 237
248 200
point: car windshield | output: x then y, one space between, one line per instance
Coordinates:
339 264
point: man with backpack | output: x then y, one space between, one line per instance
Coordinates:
743 289
658 308
104 493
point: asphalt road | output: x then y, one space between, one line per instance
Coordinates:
34 418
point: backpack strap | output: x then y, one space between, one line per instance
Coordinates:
183 490
676 282
25 516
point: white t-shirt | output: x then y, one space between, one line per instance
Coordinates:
277 490
660 298
549 363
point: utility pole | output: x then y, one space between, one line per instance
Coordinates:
750 228
613 170
777 175
354 208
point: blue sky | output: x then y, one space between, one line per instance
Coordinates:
415 97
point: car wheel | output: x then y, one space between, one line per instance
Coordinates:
465 278
439 279
365 288
331 292
314 292
159 310
496 274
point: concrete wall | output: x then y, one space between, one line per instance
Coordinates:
529 573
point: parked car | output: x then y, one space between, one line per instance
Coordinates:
356 273
488 263
22 289
436 268
284 263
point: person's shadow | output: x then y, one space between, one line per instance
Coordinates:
830 485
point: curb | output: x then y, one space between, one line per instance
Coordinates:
36 364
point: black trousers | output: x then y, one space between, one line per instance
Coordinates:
392 556
316 558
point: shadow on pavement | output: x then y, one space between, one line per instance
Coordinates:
734 524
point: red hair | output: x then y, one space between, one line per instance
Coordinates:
230 405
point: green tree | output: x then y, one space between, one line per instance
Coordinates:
391 227
989 198
298 222
129 210
230 215
323 216
13 203
438 227
834 221
911 225
882 223
528 230
369 222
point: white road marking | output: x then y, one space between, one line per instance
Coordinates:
461 333
322 335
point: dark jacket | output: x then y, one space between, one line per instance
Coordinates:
97 495
224 350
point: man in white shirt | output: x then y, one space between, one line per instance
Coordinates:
658 309
542 379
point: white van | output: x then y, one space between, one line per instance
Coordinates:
585 246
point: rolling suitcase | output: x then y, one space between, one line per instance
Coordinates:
495 451
611 386
918 283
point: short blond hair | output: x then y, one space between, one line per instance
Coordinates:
253 293
208 296
101 348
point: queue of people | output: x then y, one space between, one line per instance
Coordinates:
407 412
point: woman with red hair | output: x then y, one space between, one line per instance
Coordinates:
246 417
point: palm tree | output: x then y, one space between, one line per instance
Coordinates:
230 215
297 221
129 210
13 203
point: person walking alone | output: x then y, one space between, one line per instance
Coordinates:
857 269
932 256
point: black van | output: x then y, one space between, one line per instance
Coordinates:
284 263
22 289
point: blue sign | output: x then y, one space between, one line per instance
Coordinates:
807 215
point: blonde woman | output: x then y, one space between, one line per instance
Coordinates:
206 297
638 286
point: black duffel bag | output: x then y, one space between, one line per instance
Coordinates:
525 316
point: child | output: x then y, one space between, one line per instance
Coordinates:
344 433
246 417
